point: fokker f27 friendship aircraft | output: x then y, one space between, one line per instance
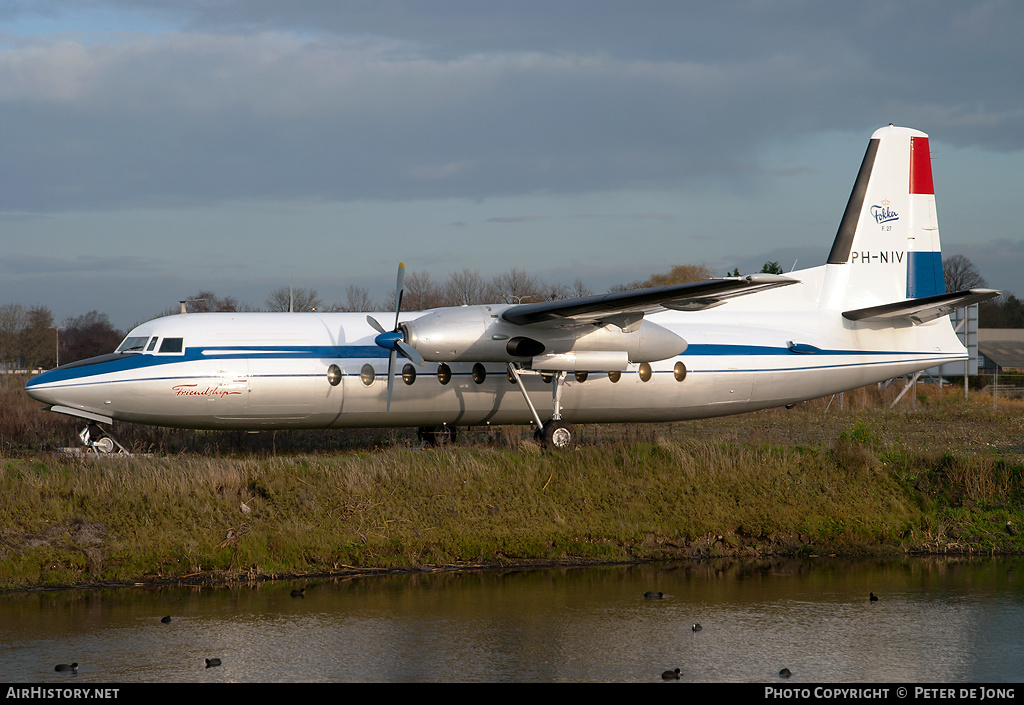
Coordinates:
877 309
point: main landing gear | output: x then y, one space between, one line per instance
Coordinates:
99 441
437 435
556 433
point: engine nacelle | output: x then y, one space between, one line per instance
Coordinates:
463 334
479 334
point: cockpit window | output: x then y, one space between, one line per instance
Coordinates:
152 344
133 345
171 345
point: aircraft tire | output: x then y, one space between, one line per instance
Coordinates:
559 435
446 435
437 435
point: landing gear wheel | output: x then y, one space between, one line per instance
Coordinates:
104 445
437 435
99 441
560 435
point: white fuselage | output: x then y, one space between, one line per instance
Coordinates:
270 370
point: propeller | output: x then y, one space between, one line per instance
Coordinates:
392 339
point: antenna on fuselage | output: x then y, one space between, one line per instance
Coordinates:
291 295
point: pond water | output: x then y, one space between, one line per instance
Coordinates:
937 620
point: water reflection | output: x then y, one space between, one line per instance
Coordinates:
937 620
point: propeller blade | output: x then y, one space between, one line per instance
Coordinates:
391 377
410 352
399 288
400 282
392 339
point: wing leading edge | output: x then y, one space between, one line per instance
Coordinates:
627 308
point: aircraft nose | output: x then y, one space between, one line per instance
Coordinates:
37 388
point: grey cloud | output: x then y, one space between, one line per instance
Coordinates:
18 264
665 217
396 100
581 216
517 218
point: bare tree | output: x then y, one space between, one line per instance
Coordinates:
38 339
206 301
961 274
28 337
420 293
87 336
13 318
356 299
290 299
468 287
516 285
579 289
679 274
553 292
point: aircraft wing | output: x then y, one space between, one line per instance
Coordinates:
921 310
627 308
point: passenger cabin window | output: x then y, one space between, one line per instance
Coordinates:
136 345
171 345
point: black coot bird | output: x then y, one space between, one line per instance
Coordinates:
1010 530
299 593
651 595
60 667
211 662
672 675
697 627
873 597
166 620
785 673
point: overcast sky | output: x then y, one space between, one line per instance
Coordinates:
152 149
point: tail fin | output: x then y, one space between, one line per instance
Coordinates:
887 247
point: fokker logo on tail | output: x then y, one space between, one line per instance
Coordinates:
883 213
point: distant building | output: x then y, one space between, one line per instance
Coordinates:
1000 350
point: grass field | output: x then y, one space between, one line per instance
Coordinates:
935 474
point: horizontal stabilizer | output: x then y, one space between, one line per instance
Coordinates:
615 308
921 310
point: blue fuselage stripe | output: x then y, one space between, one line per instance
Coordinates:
342 352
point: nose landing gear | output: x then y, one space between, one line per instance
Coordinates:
99 441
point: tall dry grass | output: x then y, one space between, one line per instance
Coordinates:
67 521
941 474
